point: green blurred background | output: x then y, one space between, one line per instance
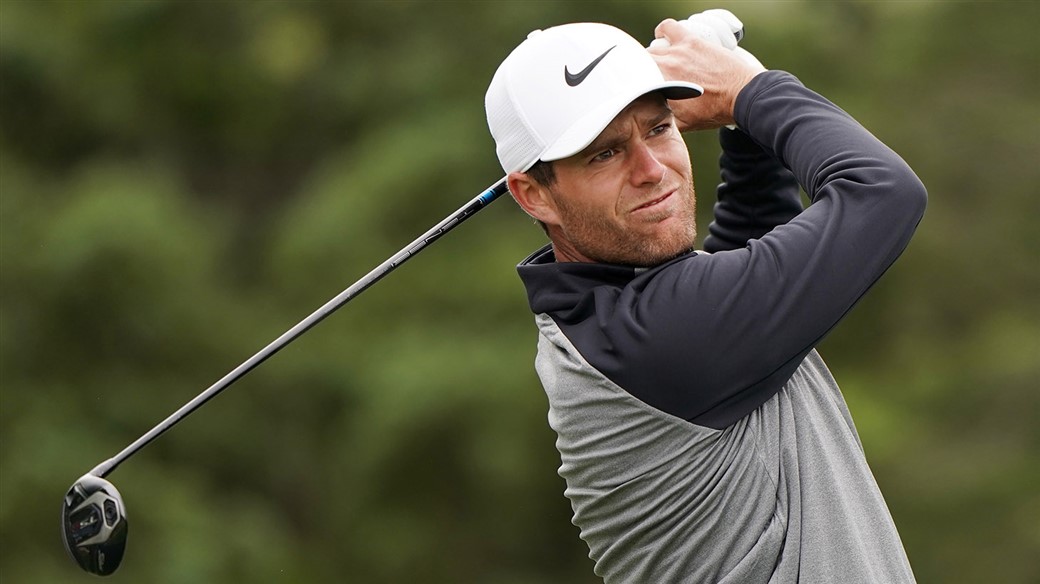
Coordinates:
183 181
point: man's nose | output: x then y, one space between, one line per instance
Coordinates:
646 167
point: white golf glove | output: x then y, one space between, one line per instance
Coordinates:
718 26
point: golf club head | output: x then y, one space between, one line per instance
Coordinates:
93 525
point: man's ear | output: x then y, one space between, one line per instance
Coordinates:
533 197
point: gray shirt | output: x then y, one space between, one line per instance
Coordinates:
702 438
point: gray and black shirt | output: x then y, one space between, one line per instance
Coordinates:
701 436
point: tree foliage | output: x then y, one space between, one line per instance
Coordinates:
182 181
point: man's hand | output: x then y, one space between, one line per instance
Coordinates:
721 72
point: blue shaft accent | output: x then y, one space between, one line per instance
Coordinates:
494 192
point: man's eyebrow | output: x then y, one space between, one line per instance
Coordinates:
654 119
662 115
605 141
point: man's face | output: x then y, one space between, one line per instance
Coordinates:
628 197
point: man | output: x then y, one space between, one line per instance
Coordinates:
702 438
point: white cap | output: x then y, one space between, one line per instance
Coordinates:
562 86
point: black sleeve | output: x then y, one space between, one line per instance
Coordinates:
756 194
709 338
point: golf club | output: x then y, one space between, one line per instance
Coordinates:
93 516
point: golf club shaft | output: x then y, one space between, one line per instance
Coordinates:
449 223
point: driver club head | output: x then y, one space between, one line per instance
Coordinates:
93 525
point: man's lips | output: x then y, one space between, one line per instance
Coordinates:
654 202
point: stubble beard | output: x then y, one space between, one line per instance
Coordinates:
604 241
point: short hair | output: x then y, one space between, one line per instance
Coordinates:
543 173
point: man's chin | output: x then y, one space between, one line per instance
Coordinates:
653 257
657 260
638 251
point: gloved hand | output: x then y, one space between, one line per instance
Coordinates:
718 26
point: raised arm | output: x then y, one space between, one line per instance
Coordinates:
710 338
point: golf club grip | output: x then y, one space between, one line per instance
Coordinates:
450 222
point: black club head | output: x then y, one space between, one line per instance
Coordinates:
93 525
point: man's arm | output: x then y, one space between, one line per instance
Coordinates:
726 331
756 194
709 338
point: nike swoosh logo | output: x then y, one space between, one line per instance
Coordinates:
575 79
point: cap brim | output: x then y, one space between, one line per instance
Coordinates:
585 130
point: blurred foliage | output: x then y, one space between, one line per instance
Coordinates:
182 181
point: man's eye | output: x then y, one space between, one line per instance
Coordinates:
660 129
605 155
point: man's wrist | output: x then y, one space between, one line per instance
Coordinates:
740 88
749 94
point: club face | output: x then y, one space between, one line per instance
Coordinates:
93 525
